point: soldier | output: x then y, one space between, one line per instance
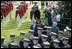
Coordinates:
56 43
22 34
46 44
48 30
31 33
44 37
2 42
39 31
65 42
12 39
44 31
35 42
31 37
21 40
26 43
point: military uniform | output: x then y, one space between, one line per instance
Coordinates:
26 43
44 37
13 45
35 41
2 43
31 38
12 39
56 43
53 35
65 42
39 31
21 41
46 44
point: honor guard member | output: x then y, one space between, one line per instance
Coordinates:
65 42
48 29
53 35
44 37
35 41
56 43
26 43
31 37
44 31
12 36
39 31
31 34
13 45
12 39
46 44
22 34
2 42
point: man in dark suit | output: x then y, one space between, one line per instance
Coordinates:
37 14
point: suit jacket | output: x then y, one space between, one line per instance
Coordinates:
37 14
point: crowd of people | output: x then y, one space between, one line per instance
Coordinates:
41 35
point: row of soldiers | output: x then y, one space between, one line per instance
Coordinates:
21 9
21 13
6 8
6 12
43 39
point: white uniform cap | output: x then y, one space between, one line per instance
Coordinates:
56 41
12 34
31 30
47 27
35 37
44 35
68 28
39 28
65 38
52 33
25 40
65 30
36 47
22 32
46 43
14 44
